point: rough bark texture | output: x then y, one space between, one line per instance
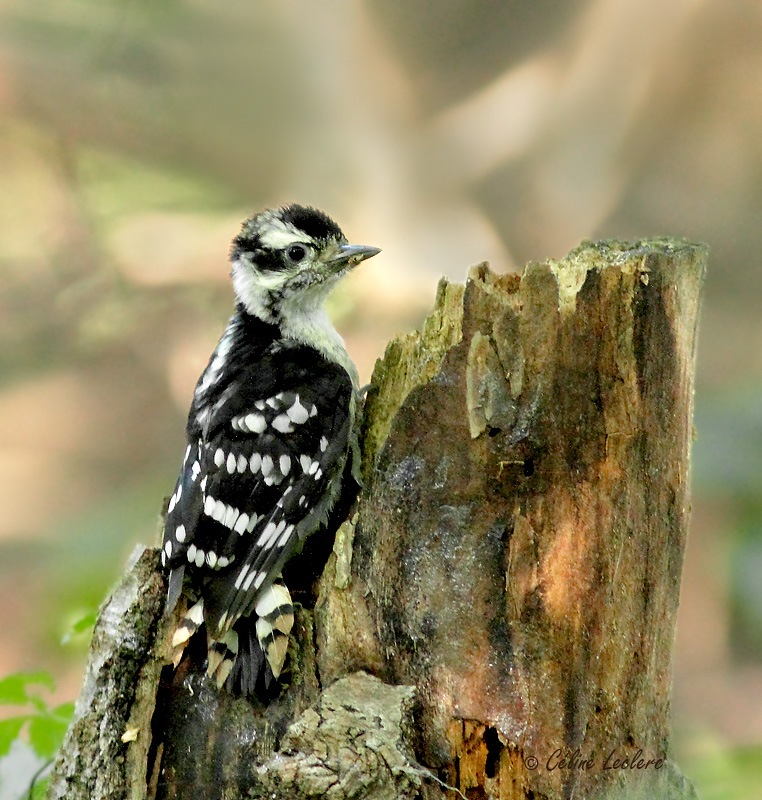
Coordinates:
105 753
519 544
515 557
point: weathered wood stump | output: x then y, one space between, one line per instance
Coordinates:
512 566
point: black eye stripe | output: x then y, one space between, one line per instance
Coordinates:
252 244
270 261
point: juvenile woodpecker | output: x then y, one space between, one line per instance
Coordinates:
270 437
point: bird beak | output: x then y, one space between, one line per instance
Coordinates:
352 254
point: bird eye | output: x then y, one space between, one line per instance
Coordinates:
296 253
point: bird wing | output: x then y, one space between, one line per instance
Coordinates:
258 477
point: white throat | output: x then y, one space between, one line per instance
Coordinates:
312 327
303 319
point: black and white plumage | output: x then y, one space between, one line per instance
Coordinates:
270 431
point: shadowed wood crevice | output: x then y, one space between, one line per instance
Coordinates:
514 557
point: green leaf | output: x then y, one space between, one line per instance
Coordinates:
13 689
46 734
9 732
64 712
39 790
83 624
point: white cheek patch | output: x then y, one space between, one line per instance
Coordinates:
253 282
254 289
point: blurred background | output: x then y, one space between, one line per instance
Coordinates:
134 138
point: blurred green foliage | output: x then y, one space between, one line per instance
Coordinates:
726 773
42 725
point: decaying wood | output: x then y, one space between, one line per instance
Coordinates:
512 566
519 543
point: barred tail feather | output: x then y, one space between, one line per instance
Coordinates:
263 643
192 620
248 657
275 618
222 654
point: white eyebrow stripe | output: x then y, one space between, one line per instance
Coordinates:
279 234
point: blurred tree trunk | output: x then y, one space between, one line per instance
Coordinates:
511 573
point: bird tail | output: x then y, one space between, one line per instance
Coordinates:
250 655
262 642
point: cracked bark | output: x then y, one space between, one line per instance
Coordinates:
511 572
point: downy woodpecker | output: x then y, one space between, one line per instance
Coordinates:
270 438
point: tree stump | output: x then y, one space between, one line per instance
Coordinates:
511 571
